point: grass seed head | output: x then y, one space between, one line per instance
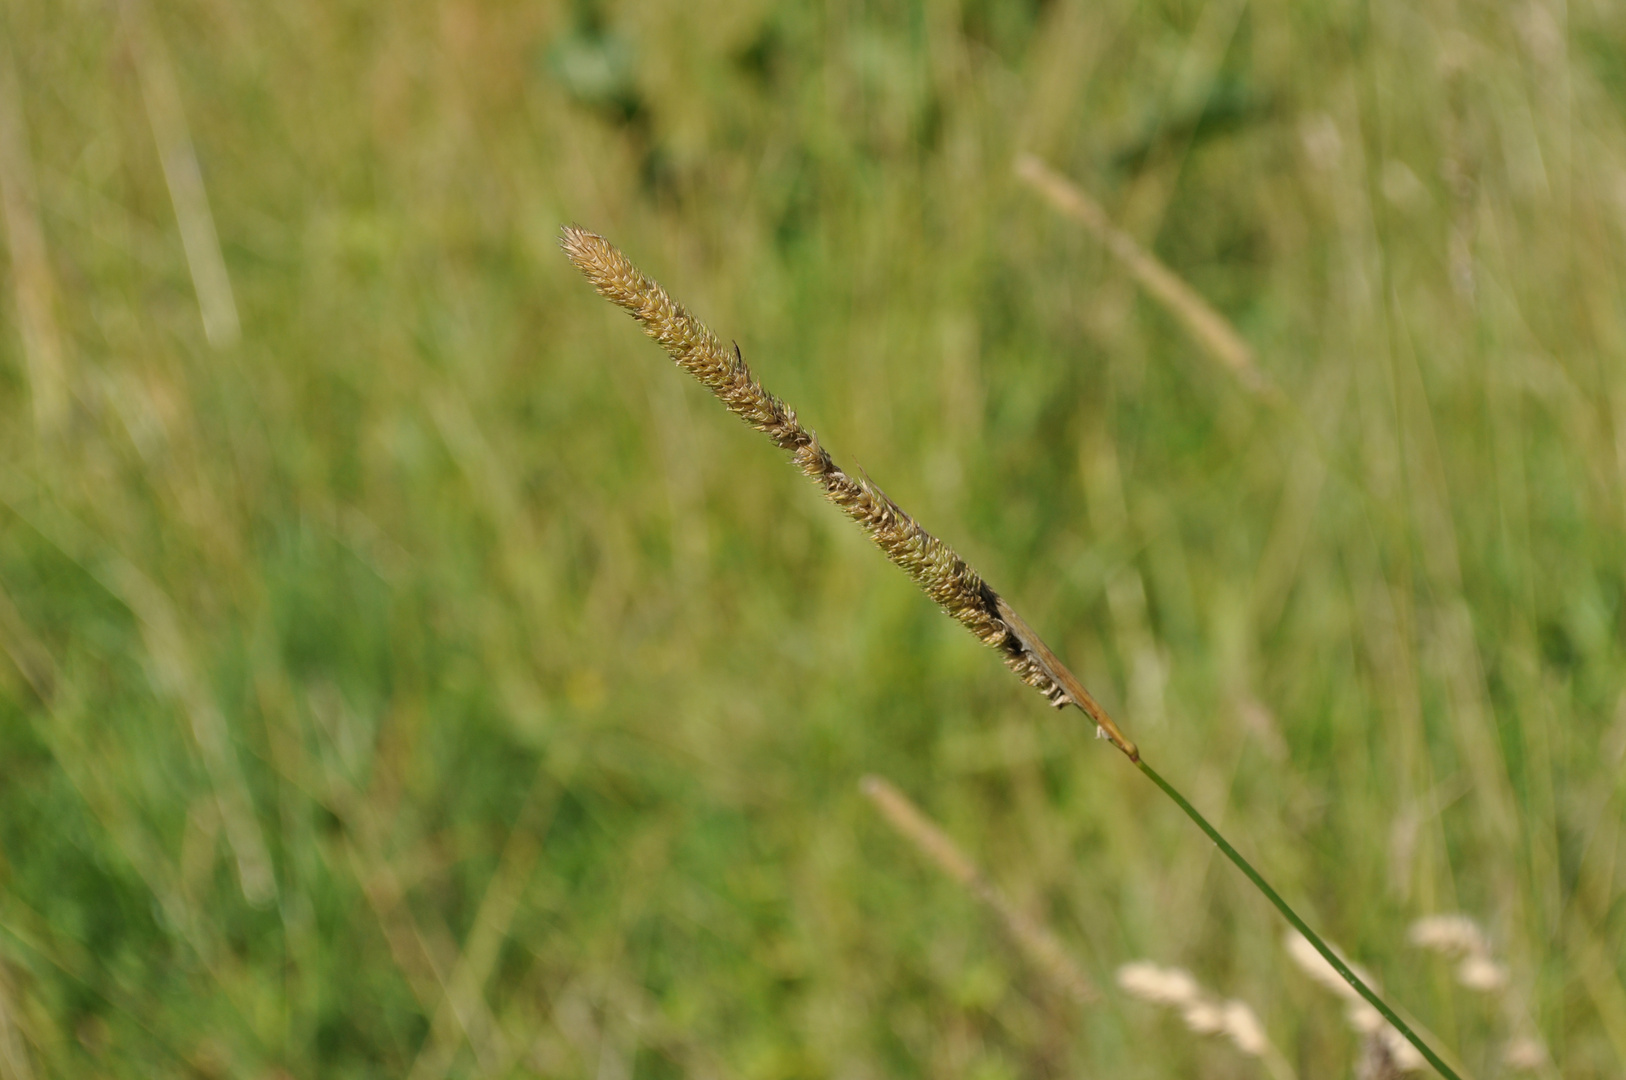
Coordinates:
931 563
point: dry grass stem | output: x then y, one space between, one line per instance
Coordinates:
15 1060
33 285
1209 327
931 563
1031 937
166 115
462 997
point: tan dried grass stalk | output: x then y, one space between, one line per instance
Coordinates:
932 564
1031 937
32 281
1208 326
1460 938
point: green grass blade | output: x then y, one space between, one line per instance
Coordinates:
1299 924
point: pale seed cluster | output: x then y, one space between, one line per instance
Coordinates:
1204 1013
1362 1017
1460 938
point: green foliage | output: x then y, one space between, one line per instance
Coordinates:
537 681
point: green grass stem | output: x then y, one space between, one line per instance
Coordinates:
1298 924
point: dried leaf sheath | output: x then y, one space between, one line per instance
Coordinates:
932 564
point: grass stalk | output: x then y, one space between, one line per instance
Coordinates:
1211 330
930 562
1032 938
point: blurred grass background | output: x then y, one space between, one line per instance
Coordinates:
411 674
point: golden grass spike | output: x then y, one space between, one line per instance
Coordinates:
932 564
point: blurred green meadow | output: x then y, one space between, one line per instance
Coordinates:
407 672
